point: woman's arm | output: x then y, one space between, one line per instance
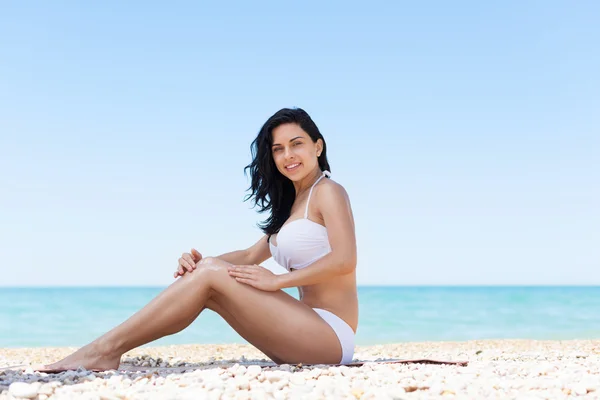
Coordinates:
255 254
337 214
335 207
235 257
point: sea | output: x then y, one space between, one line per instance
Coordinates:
74 316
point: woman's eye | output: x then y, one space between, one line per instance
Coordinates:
297 143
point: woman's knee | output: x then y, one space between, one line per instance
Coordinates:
212 261
210 268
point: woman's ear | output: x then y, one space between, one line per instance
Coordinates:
319 147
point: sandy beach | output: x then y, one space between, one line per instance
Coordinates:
497 369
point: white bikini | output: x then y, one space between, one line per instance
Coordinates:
300 243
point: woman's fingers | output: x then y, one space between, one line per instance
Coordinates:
182 264
242 271
196 255
244 268
182 267
244 275
246 281
190 263
186 262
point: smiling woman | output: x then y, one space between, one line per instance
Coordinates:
310 232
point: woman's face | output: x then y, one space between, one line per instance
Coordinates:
294 152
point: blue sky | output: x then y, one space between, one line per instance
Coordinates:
467 134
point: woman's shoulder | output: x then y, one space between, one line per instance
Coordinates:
333 202
330 191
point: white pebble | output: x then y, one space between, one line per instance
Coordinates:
579 389
297 379
279 395
273 376
280 384
315 373
242 383
238 370
285 367
108 396
253 371
215 394
46 389
242 395
24 390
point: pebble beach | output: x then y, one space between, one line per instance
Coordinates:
497 369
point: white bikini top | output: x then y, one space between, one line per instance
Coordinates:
301 241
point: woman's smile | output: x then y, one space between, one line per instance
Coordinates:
293 167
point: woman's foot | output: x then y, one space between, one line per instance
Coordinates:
88 357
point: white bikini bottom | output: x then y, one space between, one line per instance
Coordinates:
343 331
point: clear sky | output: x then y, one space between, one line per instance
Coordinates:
466 133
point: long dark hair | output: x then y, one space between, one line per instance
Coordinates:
270 189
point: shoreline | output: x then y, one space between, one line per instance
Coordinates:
505 368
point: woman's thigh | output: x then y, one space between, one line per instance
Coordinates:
285 329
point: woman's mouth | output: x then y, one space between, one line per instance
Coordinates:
292 167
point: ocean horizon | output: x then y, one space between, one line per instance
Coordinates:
75 315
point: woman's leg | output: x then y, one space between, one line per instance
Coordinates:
169 312
285 329
277 324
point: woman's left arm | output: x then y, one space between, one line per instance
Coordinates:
334 205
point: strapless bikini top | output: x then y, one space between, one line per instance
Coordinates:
301 241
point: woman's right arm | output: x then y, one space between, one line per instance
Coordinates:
255 254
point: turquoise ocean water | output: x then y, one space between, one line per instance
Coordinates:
31 317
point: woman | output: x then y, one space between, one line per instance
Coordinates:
310 232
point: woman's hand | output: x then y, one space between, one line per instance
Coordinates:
187 262
256 276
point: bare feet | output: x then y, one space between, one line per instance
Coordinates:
88 357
